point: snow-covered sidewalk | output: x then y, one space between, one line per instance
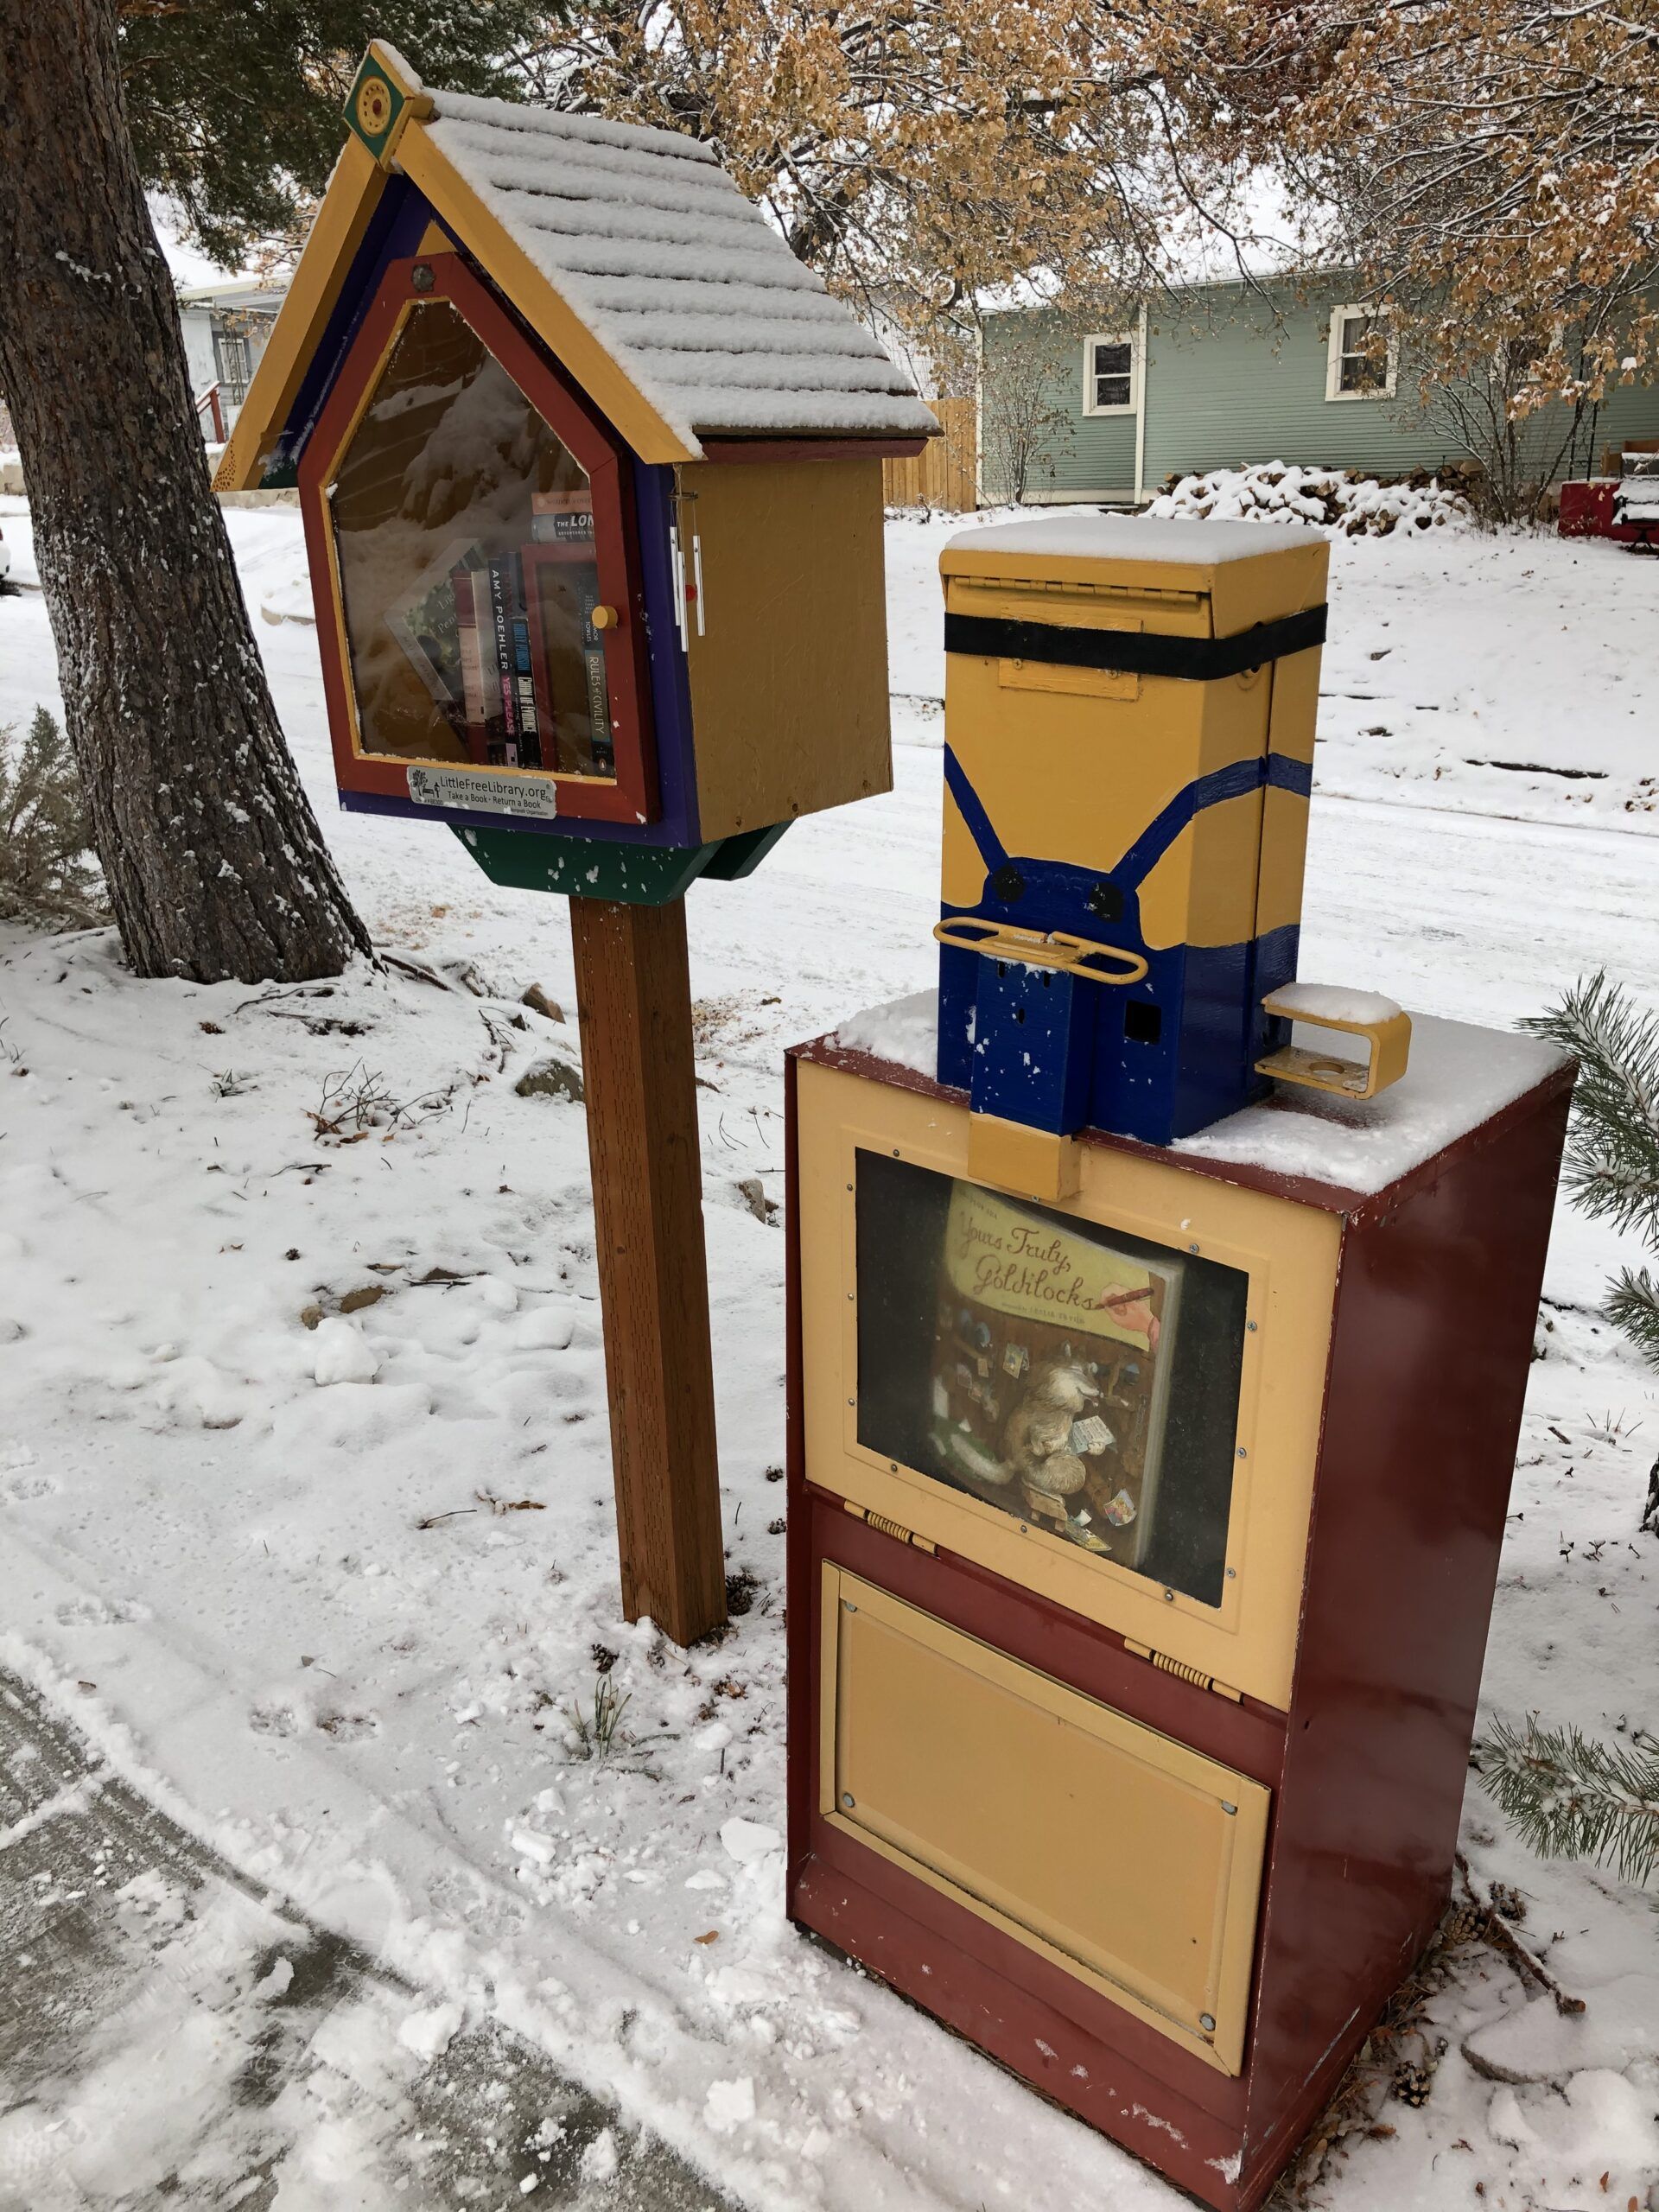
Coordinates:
303 1458
174 2033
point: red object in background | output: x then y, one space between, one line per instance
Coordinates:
1587 512
1366 1769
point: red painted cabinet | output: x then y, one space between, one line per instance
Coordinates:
1141 1555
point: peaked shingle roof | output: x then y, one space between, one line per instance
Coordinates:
678 276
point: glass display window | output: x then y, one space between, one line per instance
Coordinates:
1084 1381
1113 1402
477 524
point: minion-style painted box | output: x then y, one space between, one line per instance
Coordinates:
1130 712
591 473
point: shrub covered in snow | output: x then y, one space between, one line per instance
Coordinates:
1335 499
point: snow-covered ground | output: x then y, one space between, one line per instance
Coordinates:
339 1627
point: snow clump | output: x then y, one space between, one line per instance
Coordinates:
1333 498
343 1354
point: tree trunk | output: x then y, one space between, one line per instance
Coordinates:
215 861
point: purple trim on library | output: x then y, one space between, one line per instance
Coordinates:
395 231
670 688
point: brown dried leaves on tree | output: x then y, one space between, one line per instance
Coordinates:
918 157
1491 165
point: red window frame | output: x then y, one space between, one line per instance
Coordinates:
632 795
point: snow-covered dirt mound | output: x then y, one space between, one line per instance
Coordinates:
1336 499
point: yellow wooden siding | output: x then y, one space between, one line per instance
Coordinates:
789 671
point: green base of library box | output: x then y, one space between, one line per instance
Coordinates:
633 876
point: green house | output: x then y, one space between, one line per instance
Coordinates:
1221 374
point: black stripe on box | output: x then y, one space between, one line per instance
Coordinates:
1136 652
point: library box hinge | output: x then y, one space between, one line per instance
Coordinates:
1193 1675
893 1529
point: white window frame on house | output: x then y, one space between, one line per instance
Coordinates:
1336 354
1124 338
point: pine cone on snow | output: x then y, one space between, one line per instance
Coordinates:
1412 2084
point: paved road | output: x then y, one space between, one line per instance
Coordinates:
171 2037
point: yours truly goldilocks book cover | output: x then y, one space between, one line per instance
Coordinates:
1051 1372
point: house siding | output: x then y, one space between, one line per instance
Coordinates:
1090 455
197 324
1235 383
1232 377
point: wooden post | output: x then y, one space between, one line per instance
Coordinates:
634 996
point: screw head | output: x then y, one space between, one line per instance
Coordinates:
1243 1453
1207 2022
848 1605
1169 1596
849 1800
1191 1247
1226 1807
422 278
1250 1325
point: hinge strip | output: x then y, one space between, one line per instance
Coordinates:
896 1530
1196 1676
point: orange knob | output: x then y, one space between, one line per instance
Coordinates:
606 617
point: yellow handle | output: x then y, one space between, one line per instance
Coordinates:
1389 1035
1038 948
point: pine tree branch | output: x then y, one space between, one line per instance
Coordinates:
1570 1796
1632 1305
1612 1158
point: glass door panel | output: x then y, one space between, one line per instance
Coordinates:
1084 1382
464 533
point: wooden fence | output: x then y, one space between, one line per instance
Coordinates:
942 473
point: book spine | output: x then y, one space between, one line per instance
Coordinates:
599 690
501 630
472 663
599 711
530 742
561 516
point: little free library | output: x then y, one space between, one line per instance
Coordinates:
1143 1536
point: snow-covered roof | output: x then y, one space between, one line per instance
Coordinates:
678 276
245 294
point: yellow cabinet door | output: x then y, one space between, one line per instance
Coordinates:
1113 1850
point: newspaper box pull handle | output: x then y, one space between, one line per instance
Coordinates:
1072 955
